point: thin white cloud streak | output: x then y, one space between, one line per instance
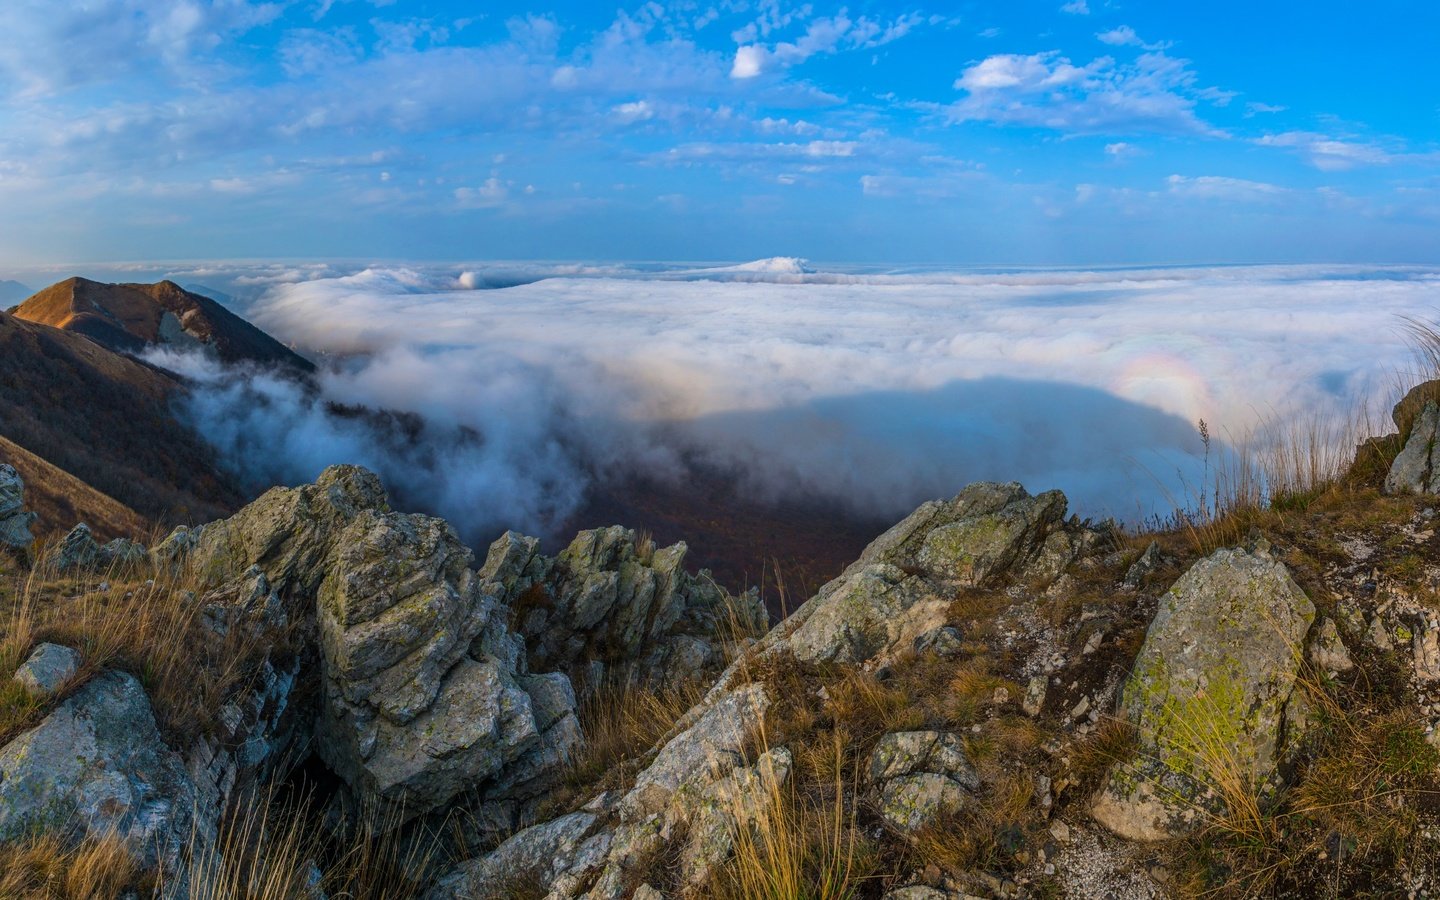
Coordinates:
879 390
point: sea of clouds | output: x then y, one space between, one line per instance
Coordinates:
879 389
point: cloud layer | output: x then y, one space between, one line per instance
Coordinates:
877 389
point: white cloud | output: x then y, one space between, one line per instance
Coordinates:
822 36
1252 109
1329 154
1125 36
1076 8
635 111
1217 187
1122 150
1046 90
491 194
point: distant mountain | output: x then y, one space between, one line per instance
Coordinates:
132 317
11 292
106 419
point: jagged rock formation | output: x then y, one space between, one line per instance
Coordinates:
422 696
610 605
15 521
131 317
78 551
1209 689
878 607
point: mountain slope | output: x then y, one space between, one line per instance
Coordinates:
62 500
106 419
131 317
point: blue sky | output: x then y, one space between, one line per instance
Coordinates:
1034 133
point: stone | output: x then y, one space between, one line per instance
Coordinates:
15 521
1143 566
96 765
1035 691
77 550
1327 650
48 668
534 857
919 776
1414 470
945 642
1217 668
986 535
1425 647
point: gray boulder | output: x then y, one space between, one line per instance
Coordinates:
14 520
97 766
1208 693
49 667
919 776
1415 470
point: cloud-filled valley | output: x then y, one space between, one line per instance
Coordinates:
876 390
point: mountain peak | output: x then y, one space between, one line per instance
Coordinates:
133 317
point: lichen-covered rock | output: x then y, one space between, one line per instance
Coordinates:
423 687
98 766
76 550
905 580
49 667
1327 650
1145 564
919 776
14 520
612 605
1416 470
1208 691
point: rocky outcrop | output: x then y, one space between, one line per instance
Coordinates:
1416 470
78 551
14 520
612 605
1208 693
425 692
691 785
902 584
919 776
97 766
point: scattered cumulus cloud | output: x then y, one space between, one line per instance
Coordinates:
1076 8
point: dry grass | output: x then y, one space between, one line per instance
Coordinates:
45 868
795 843
148 623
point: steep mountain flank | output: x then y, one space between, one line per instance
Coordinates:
106 419
59 499
131 317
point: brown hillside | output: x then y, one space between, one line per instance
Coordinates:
61 500
131 317
106 419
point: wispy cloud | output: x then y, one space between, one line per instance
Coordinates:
1047 90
